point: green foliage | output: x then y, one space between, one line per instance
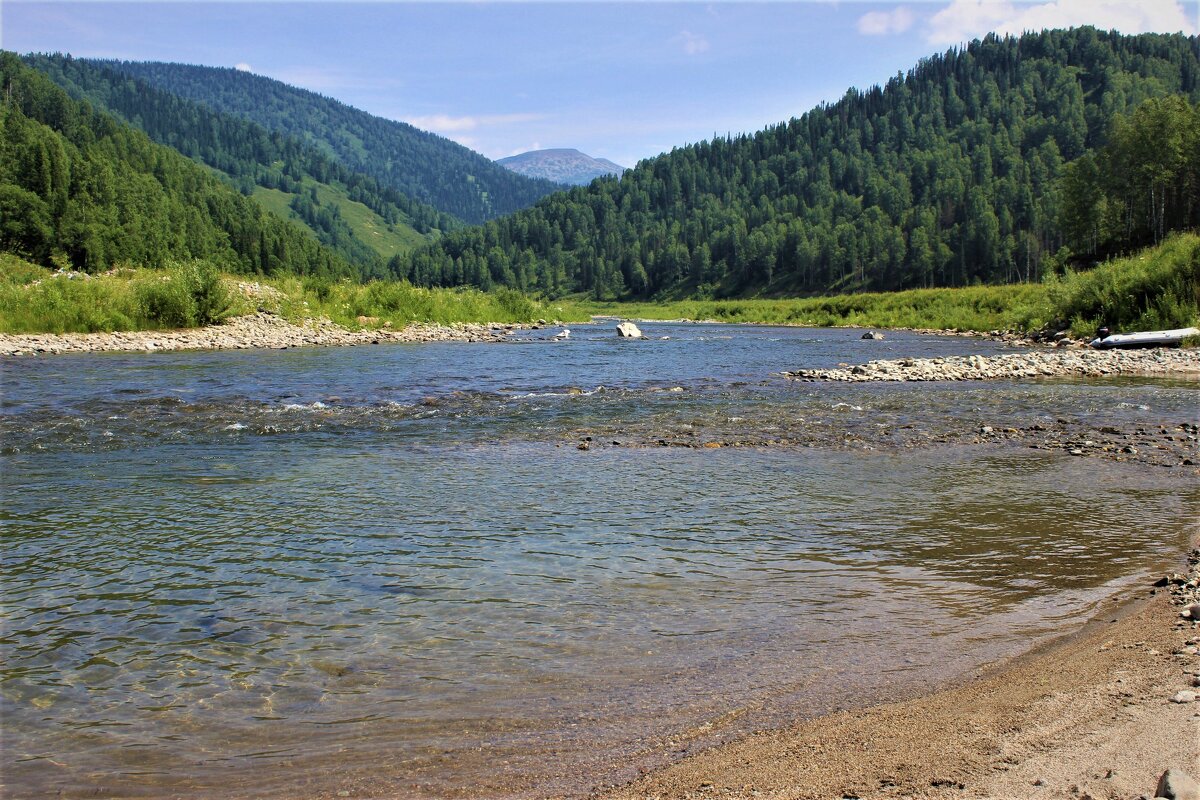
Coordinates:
431 170
1156 289
1144 183
946 176
399 303
979 308
35 300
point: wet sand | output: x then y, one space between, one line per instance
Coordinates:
1088 715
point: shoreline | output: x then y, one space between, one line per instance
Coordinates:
1028 363
260 330
265 330
1090 713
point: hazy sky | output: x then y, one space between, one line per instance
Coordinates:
623 81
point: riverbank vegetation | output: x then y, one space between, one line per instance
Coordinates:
1158 287
1155 289
34 299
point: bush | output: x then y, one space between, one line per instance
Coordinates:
190 294
1156 289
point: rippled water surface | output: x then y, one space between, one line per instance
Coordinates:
391 571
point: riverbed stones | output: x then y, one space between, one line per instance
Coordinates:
627 330
1035 363
260 329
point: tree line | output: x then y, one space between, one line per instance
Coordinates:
246 152
948 175
79 188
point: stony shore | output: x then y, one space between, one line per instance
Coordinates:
258 330
1034 363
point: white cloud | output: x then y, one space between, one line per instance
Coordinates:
881 23
444 123
964 20
517 151
692 43
243 67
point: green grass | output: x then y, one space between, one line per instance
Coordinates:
369 227
185 294
34 299
400 303
979 308
1158 288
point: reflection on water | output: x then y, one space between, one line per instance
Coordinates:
381 575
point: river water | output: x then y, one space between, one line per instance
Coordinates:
392 571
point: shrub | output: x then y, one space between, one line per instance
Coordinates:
190 294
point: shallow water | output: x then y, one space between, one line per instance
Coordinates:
389 570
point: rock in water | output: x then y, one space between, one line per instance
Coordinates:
1175 784
872 335
627 330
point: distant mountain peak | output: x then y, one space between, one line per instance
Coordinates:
562 165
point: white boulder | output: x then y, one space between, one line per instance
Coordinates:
627 330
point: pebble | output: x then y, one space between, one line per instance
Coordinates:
1034 363
1175 784
1184 696
260 329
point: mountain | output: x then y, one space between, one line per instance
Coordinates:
347 211
562 165
947 175
79 187
423 166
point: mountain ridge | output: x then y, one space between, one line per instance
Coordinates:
429 168
347 211
564 165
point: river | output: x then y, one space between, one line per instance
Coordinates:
527 568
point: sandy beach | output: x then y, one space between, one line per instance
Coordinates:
1088 715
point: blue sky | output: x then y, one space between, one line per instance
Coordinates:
623 81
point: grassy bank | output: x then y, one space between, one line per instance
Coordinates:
36 300
1158 288
187 294
973 308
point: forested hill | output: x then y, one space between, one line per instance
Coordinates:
78 185
426 167
945 176
348 211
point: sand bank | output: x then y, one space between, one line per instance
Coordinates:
1090 715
